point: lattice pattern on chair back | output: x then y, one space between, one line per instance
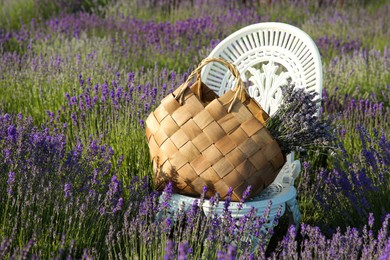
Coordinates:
267 55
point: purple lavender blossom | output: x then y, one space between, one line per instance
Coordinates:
184 251
169 250
202 197
296 125
232 252
221 255
192 214
67 190
246 193
10 182
371 220
166 196
168 225
386 254
73 100
102 211
118 206
12 134
228 199
74 119
114 189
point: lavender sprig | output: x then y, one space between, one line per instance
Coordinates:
296 125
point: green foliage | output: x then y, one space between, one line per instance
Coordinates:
13 13
362 74
368 26
38 81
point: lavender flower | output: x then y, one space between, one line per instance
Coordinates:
296 125
10 182
228 199
183 251
166 196
67 190
118 206
246 193
12 134
168 225
221 255
169 250
232 252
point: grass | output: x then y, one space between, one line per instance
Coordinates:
89 74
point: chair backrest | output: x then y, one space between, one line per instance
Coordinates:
267 55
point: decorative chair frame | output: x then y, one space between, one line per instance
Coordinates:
267 55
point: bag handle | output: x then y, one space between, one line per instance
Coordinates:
239 89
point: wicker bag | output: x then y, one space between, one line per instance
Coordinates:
198 139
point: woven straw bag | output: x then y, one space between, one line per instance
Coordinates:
198 139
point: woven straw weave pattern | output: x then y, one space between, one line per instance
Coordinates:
199 143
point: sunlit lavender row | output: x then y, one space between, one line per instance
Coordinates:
79 78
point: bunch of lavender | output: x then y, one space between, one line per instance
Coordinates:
296 124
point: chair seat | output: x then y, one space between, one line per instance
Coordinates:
281 193
260 202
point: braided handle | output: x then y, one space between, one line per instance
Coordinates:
239 89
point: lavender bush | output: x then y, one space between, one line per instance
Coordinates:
333 29
76 187
360 169
114 112
361 74
67 186
51 72
351 189
348 186
296 124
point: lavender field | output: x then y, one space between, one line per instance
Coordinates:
78 79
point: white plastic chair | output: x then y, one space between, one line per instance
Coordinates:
267 55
